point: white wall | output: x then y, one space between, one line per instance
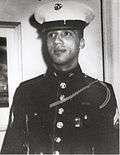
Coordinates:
32 62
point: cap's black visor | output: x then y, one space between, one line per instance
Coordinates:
68 24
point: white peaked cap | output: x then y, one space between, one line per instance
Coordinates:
63 10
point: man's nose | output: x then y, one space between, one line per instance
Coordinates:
58 39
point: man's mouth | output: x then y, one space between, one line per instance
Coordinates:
59 51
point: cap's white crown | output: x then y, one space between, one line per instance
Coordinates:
68 10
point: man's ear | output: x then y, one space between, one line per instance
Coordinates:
82 43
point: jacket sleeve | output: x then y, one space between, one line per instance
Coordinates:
108 133
15 137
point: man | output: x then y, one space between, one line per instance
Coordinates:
63 111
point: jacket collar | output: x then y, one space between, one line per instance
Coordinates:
53 73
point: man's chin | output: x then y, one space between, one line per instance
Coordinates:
59 62
59 59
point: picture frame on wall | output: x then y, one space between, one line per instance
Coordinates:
3 73
10 61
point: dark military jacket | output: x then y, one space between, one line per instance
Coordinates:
62 113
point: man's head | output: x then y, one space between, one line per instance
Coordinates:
64 45
63 24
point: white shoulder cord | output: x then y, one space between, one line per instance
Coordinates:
108 96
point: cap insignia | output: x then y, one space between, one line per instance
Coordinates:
58 6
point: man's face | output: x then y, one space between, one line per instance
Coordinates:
63 46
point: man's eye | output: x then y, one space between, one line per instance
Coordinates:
51 35
67 34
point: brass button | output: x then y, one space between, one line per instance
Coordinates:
59 125
57 139
61 97
60 111
63 85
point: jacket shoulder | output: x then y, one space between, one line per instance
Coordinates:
99 93
30 85
33 81
102 94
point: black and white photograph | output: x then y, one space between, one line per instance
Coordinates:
59 77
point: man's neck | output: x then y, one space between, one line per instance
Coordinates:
65 68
